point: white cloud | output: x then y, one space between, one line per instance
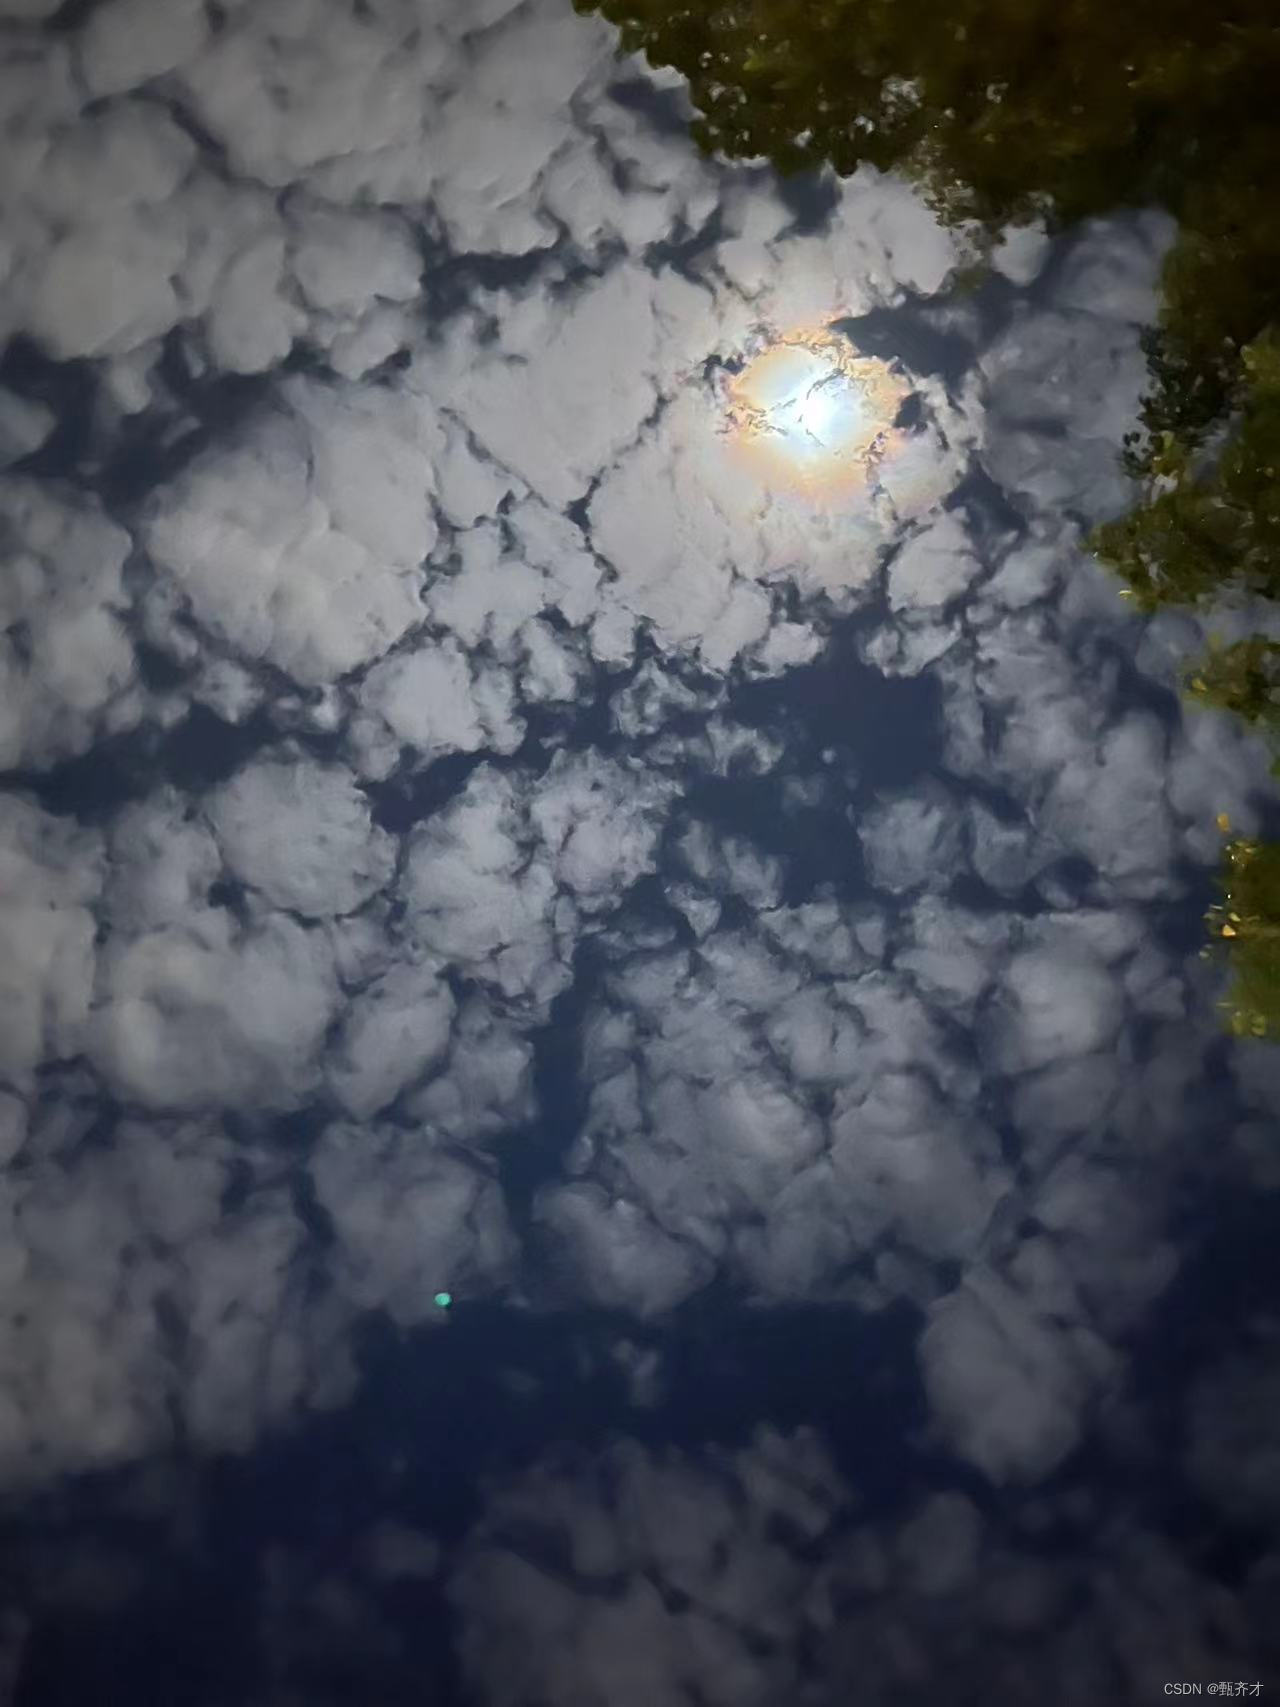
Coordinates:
1007 1387
207 1013
614 1253
806 1104
163 861
533 400
434 701
478 900
67 669
409 1221
52 875
1053 1004
393 1031
1109 805
715 516
701 1146
344 261
601 822
485 1085
934 566
912 839
749 1575
24 426
301 834
102 1241
302 543
645 1577
1113 267
126 42
1051 441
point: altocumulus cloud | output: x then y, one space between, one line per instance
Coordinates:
449 677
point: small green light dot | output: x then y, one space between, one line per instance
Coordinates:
444 1299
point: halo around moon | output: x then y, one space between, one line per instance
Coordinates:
806 414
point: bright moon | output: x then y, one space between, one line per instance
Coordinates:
807 414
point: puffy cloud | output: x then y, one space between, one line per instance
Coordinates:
109 1244
485 1085
393 1030
105 285
645 1577
718 516
408 1220
478 900
879 242
703 1139
912 840
301 834
614 1252
1109 805
214 1012
938 1547
748 1574
484 880
163 861
434 701
438 339
902 1161
344 260
24 426
52 877
67 670
601 822
934 566
1051 443
1007 1387
533 400
1055 1002
125 43
302 543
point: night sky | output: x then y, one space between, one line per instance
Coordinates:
608 1092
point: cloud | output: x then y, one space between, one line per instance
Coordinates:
301 834
67 668
207 1015
325 512
703 1137
477 901
408 1221
411 343
1009 1390
52 877
911 840
1053 1004
112 1244
933 567
194 1005
742 536
1052 445
645 1577
750 1574
483 881
393 1031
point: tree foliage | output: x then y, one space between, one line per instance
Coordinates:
1243 678
1246 922
1209 535
999 107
